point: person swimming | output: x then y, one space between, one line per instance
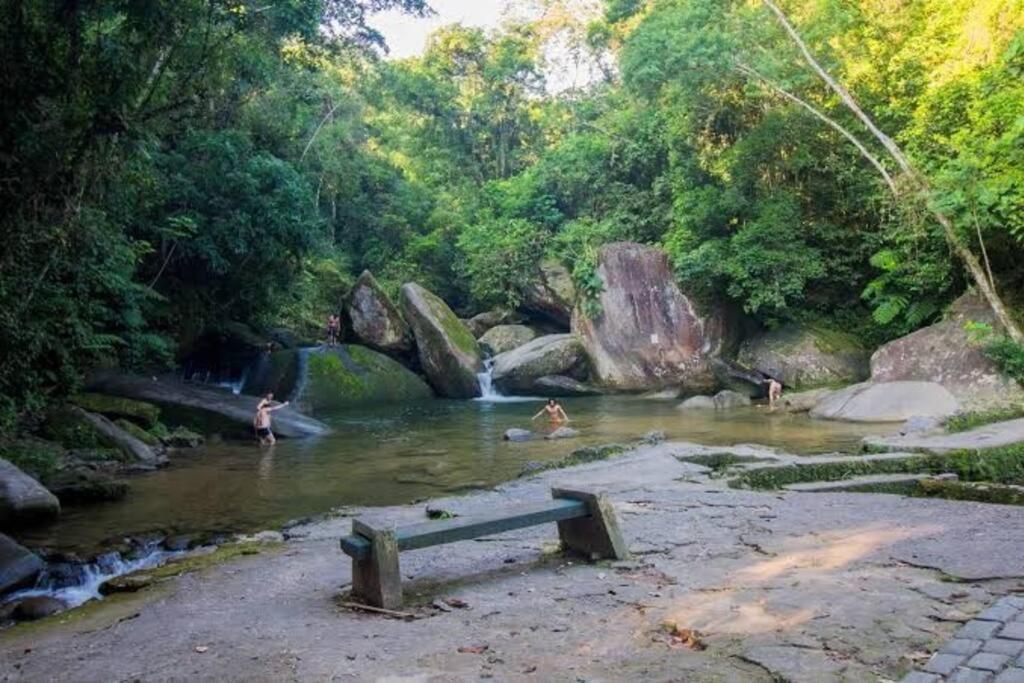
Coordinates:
554 411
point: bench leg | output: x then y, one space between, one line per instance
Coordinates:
597 536
376 580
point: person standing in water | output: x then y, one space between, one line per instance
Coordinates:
554 411
774 392
261 421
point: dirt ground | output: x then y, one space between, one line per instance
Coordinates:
723 585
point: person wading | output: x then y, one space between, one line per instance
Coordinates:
261 421
554 412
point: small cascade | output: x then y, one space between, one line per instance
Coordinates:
302 375
489 393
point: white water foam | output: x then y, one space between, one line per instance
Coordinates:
490 394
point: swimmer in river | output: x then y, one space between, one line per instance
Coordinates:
261 421
554 411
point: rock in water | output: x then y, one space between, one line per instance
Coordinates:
698 403
38 607
18 566
502 338
80 485
517 435
481 323
647 335
725 400
517 371
376 321
806 357
919 424
448 353
887 402
557 386
23 500
551 294
563 433
943 353
802 401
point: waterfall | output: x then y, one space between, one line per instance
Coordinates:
489 393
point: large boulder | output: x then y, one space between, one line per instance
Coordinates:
480 323
23 499
329 378
374 320
207 408
943 353
557 386
18 566
133 448
139 412
502 338
551 294
647 335
448 353
886 402
805 357
517 371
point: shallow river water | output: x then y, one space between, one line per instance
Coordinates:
398 454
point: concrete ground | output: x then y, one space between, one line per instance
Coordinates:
755 587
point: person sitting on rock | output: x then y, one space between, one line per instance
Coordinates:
261 421
554 411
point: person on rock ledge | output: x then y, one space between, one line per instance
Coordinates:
261 421
554 411
333 329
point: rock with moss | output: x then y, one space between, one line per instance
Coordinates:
517 371
806 357
138 432
944 353
448 352
502 338
183 437
23 500
82 485
374 320
69 427
113 436
36 457
481 323
551 293
117 407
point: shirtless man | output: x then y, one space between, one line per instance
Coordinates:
333 329
774 392
554 411
261 421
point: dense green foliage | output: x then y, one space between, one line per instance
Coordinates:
175 164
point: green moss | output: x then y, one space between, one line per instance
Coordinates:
81 486
37 458
137 431
101 455
351 375
456 331
830 340
962 422
984 493
70 429
719 462
145 414
581 456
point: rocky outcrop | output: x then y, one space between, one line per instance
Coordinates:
448 353
130 446
518 370
480 323
558 386
723 400
802 401
551 295
886 402
18 566
502 338
23 500
329 378
943 353
648 335
806 357
374 320
214 410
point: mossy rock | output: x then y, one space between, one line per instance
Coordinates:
183 437
35 457
140 412
82 486
807 356
351 375
70 429
138 432
100 455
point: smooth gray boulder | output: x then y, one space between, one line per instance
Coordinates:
551 294
920 424
560 386
481 323
517 435
806 357
725 400
943 353
18 565
887 402
518 370
132 447
802 401
647 334
563 433
502 338
699 403
23 500
448 353
374 320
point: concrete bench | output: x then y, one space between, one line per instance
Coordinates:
586 525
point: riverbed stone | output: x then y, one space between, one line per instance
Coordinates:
448 352
518 435
23 500
502 338
944 353
802 401
563 433
551 293
698 403
374 320
19 566
727 399
516 371
81 485
886 402
646 333
807 356
38 607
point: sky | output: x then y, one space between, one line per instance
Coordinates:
407 36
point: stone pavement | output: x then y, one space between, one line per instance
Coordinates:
989 648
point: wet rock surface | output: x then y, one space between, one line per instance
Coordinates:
374 319
502 338
887 402
551 294
518 370
18 565
23 499
806 357
773 586
448 352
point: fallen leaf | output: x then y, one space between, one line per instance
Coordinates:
474 649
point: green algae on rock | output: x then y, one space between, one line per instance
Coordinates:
352 375
140 412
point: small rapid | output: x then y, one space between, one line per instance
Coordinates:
489 393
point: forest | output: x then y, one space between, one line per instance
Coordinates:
175 165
